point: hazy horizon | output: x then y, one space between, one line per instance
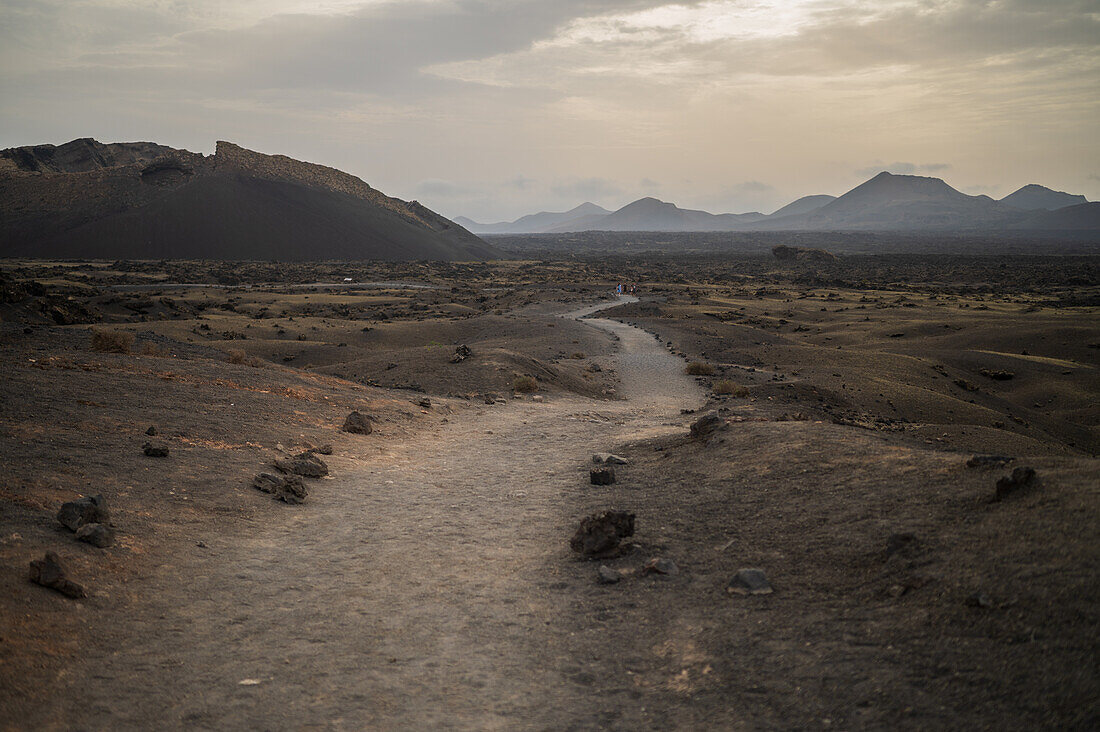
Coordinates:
492 109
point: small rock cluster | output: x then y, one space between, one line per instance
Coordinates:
89 519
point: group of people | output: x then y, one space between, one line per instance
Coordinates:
621 289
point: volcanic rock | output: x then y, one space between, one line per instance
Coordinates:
600 534
358 424
305 464
707 425
602 476
100 535
154 450
86 510
749 582
1022 477
48 572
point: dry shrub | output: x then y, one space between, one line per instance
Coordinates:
238 356
525 384
153 349
698 368
731 388
577 355
112 341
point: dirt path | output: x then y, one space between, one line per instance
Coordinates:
419 588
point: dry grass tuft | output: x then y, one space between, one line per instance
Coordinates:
112 341
239 357
731 388
153 349
698 368
525 384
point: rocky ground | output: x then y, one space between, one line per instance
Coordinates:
430 579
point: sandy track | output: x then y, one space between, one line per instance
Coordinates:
420 587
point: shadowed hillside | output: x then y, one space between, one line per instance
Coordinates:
140 200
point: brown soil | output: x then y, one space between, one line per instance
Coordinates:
429 581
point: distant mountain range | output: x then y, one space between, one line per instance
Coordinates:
886 202
140 200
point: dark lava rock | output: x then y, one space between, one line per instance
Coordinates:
305 464
48 572
607 576
325 449
600 534
785 253
152 450
988 461
903 543
100 535
288 489
86 510
1022 477
152 431
979 600
660 565
425 402
358 424
490 398
749 582
461 354
707 425
602 476
1000 375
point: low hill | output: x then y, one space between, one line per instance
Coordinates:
650 214
1035 198
803 205
1082 217
139 200
536 223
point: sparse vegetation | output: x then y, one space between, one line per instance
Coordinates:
153 349
112 341
577 355
698 368
525 384
238 356
731 388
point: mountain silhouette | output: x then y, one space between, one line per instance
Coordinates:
536 223
1034 197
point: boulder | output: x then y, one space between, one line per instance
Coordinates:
600 535
461 354
602 476
288 489
749 582
607 458
305 464
48 572
358 424
707 425
154 450
86 510
1022 477
100 535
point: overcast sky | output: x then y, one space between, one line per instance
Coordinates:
497 108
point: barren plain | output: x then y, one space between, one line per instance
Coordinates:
429 581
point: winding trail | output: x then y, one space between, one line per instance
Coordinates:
420 588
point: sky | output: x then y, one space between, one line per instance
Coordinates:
493 109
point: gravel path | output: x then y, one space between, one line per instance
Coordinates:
419 588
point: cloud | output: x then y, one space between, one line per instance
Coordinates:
902 169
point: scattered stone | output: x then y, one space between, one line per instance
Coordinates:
426 403
707 425
154 450
1000 375
602 476
537 398
988 461
100 535
152 431
48 572
461 354
358 424
289 489
325 449
801 254
903 543
86 510
964 384
749 582
607 576
305 464
600 535
1022 477
490 398
979 600
660 565
608 458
